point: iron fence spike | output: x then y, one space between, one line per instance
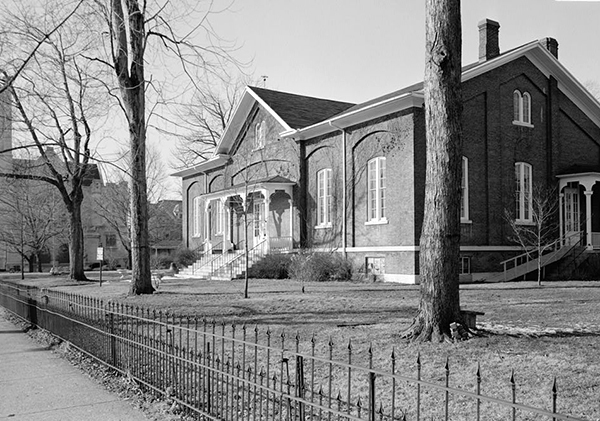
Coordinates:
393 353
478 371
554 387
419 358
350 345
512 376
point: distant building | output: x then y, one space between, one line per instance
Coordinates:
96 231
326 175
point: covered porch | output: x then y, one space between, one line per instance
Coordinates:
252 214
579 208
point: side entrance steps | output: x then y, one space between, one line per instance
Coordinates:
570 252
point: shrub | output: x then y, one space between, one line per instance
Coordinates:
185 257
320 267
273 266
160 262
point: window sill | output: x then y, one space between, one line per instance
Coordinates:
523 222
322 227
465 221
522 124
377 222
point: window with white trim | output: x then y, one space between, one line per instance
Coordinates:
376 190
523 188
197 217
259 135
217 208
464 191
465 265
324 198
522 108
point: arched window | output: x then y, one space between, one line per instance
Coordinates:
259 135
523 188
464 189
522 108
324 198
376 190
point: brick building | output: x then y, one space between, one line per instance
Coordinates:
308 172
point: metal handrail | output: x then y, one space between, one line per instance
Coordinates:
235 262
549 246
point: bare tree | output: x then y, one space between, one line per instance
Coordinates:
54 101
132 24
207 115
113 205
440 237
31 219
540 235
17 52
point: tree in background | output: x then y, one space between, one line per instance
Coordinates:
208 114
539 236
33 219
18 51
55 100
440 237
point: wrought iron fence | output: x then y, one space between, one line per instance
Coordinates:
226 372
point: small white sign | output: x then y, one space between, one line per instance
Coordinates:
100 253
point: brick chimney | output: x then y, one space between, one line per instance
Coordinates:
552 45
489 46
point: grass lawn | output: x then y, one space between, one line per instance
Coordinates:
540 332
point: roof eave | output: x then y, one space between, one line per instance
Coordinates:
215 162
344 120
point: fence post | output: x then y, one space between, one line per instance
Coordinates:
371 396
113 345
300 385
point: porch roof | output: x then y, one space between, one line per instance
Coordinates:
586 176
268 183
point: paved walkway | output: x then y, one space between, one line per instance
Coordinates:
36 384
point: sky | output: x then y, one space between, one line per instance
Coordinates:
356 50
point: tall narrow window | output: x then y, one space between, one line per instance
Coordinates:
526 117
523 179
464 187
259 135
324 198
521 108
376 202
197 217
218 216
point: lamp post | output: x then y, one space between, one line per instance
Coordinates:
22 251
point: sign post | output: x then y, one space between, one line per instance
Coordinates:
100 257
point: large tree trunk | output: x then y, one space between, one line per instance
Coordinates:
76 248
440 236
130 37
141 282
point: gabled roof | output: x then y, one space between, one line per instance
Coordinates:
297 110
412 96
291 111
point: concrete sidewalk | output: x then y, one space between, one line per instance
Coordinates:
36 384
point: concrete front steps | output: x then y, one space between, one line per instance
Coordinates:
223 267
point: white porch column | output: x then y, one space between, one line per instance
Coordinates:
225 224
267 195
588 219
292 213
561 197
206 227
